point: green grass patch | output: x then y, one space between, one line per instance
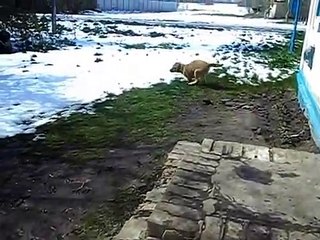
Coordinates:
279 56
228 86
136 116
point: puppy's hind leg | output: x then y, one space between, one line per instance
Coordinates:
197 77
194 82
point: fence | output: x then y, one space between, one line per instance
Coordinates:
138 5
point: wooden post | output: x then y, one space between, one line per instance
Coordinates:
54 16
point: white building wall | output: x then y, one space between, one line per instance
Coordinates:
312 38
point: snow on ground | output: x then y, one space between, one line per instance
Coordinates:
221 9
35 86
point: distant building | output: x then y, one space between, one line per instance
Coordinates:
308 74
138 5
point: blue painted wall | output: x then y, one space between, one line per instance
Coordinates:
310 106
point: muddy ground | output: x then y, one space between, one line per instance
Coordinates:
48 198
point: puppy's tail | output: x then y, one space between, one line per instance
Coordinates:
215 65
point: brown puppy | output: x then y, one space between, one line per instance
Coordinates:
194 71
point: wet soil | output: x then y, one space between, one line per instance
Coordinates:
267 119
46 199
